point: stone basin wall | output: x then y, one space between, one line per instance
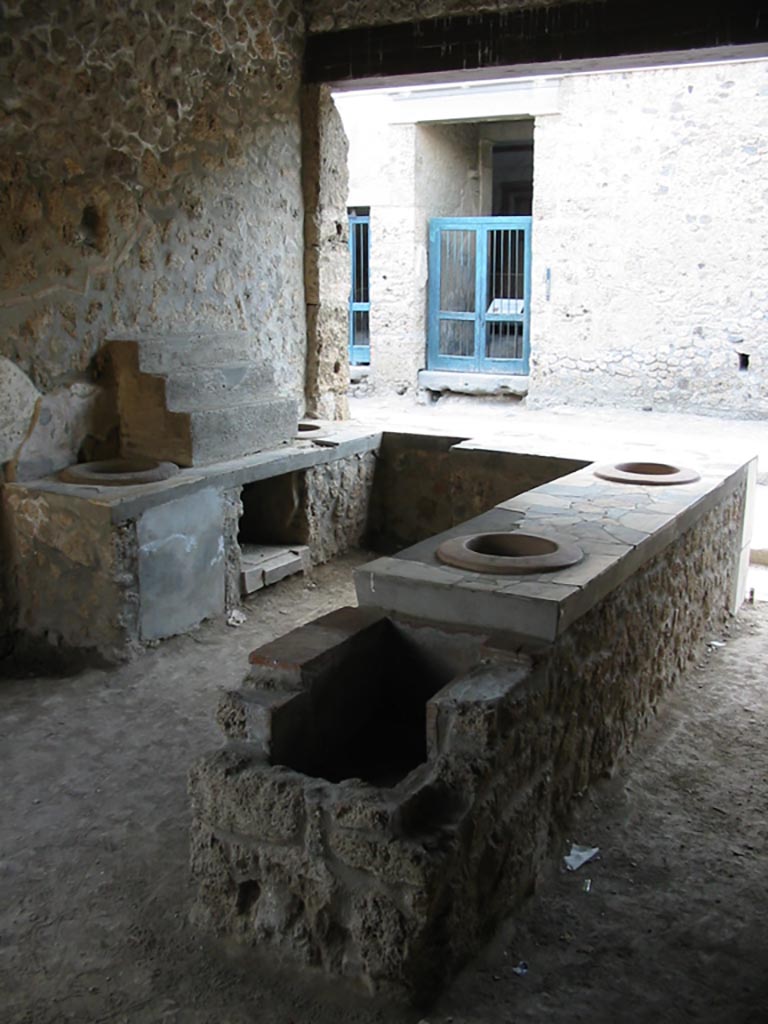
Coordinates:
425 484
398 885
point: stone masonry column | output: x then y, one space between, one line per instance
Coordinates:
326 254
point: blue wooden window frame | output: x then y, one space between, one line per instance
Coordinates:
480 316
359 293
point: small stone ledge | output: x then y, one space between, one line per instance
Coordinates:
336 443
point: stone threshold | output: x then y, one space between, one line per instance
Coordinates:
474 383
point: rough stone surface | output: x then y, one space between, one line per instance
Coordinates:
72 573
150 179
326 256
337 503
400 884
325 507
233 509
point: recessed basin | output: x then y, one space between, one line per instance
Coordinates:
119 472
512 553
654 474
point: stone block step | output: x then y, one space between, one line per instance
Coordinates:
235 430
197 398
264 564
179 351
211 387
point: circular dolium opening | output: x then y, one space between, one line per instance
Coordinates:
647 468
306 428
511 545
112 467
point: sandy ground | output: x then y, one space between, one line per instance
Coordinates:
94 887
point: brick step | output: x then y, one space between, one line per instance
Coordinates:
213 387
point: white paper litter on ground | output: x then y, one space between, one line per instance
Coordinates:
580 855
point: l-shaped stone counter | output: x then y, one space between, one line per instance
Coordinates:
395 775
111 569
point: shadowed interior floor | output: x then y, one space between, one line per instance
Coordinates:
94 883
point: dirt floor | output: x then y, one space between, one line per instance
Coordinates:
94 887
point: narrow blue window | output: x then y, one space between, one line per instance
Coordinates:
359 295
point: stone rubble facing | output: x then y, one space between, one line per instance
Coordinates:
398 884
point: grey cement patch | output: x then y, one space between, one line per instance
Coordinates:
181 564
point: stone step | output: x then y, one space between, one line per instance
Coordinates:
212 387
264 564
232 431
180 351
197 398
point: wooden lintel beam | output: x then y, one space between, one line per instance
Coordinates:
581 30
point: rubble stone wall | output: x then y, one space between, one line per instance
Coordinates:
398 886
422 486
326 258
71 575
325 507
149 180
648 192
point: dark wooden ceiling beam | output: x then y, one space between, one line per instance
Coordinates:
582 30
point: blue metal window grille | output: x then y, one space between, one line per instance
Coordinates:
479 294
359 296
